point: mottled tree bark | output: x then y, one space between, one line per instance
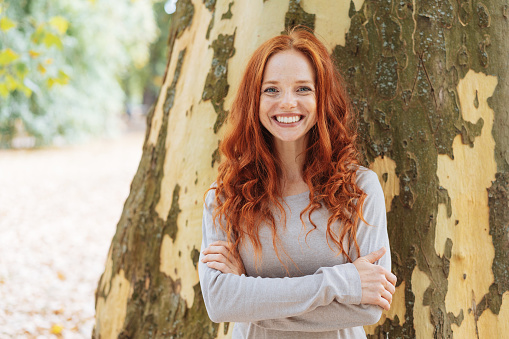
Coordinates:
429 79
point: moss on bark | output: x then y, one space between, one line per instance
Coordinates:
216 85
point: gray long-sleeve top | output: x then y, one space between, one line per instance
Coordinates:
319 296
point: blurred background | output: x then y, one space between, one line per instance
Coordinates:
77 79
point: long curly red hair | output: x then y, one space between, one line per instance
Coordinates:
248 181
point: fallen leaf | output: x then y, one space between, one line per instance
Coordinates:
56 329
33 53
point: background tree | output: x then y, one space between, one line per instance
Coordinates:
429 79
61 62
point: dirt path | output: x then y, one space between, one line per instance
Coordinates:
58 212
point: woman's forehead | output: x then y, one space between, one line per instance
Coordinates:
290 65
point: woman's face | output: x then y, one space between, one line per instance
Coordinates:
288 97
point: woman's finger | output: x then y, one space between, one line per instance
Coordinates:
233 267
219 266
225 267
387 296
384 304
392 278
219 251
374 256
390 287
216 249
220 243
377 299
217 258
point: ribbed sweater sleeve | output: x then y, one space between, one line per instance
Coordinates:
232 298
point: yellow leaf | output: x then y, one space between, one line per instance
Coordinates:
11 83
6 24
48 61
4 91
52 40
7 56
56 329
33 53
41 69
59 23
63 78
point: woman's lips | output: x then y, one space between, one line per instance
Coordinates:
288 119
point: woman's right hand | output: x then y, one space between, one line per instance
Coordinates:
378 284
221 257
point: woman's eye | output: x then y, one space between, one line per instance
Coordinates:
303 89
270 90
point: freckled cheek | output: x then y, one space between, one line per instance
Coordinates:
264 113
266 107
309 105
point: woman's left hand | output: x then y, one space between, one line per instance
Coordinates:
220 257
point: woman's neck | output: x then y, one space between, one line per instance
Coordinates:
292 157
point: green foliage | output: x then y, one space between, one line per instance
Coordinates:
61 65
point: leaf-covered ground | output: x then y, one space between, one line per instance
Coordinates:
58 213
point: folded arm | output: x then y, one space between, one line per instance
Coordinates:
233 298
330 299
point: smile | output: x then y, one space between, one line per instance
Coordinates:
288 120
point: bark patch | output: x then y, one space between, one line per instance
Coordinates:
171 226
228 14
216 85
183 16
498 195
170 94
297 16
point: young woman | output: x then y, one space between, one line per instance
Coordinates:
295 241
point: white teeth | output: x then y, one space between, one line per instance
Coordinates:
288 120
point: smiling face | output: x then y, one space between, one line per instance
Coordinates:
288 97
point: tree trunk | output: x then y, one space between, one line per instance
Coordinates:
430 82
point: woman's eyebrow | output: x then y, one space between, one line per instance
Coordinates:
298 82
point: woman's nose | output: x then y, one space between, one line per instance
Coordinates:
288 100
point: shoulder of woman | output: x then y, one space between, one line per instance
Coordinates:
368 181
210 195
